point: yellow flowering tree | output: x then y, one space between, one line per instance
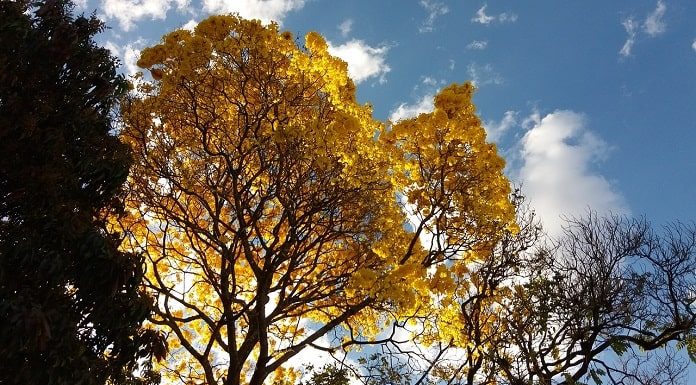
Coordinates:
273 209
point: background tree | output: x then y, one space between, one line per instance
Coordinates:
275 211
608 302
611 301
70 303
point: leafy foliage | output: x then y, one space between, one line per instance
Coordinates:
609 283
328 375
70 302
274 210
379 369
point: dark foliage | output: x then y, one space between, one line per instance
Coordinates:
71 310
328 375
607 303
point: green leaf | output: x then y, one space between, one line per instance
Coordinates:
691 347
619 347
596 376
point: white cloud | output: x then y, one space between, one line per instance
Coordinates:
131 54
345 27
507 17
482 18
557 154
477 44
309 355
364 61
190 25
264 10
482 75
631 27
654 25
434 9
429 81
405 111
127 12
495 130
532 120
128 54
80 4
428 87
693 45
115 50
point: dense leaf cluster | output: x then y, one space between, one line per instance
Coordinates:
70 302
266 198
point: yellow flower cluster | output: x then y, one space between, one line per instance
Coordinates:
264 197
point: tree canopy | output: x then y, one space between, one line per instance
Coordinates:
276 213
71 303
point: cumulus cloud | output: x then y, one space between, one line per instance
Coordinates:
495 130
434 9
190 25
405 111
264 10
482 75
654 25
482 18
364 61
345 27
557 154
127 12
693 45
477 44
428 87
128 54
111 46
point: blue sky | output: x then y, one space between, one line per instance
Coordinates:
592 103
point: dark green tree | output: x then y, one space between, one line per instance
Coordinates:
71 310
